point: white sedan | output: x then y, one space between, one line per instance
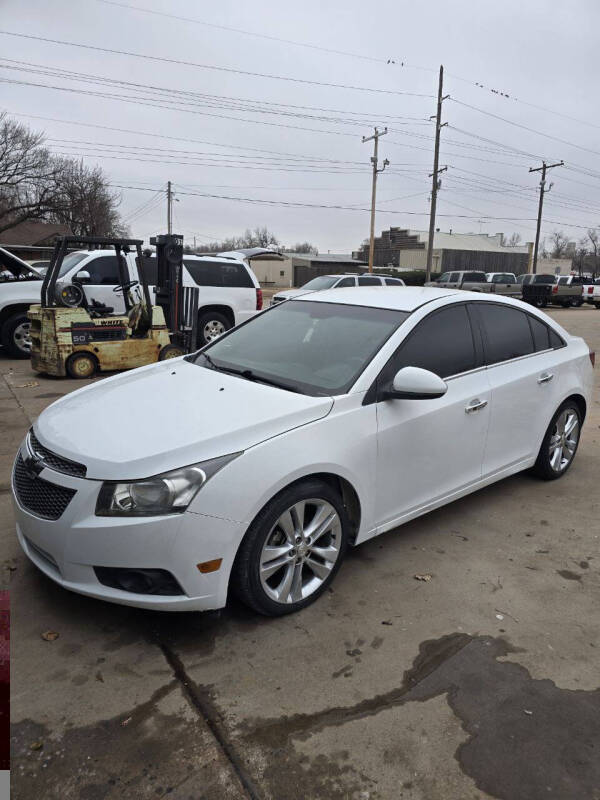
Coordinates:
253 464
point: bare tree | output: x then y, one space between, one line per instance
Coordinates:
304 247
85 202
593 236
513 240
559 244
28 175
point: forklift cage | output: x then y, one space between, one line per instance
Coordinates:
92 243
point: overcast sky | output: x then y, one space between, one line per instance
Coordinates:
295 142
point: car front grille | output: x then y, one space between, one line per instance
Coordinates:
53 460
42 498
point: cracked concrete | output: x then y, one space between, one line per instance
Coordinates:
386 688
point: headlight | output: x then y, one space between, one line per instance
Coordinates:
169 493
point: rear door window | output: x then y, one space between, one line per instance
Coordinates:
454 277
393 282
345 282
506 331
441 343
541 334
366 280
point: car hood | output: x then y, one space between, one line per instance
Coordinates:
169 415
289 293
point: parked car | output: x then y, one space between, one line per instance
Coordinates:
318 424
504 283
230 292
322 282
544 289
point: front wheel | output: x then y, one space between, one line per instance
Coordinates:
81 365
211 325
560 443
170 351
292 550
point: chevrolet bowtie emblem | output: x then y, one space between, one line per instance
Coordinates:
34 465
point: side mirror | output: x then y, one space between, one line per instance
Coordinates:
414 383
83 276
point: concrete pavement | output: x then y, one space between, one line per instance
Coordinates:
482 682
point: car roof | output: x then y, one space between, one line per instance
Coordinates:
111 251
407 298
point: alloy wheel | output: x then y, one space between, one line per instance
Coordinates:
22 336
564 439
213 329
300 551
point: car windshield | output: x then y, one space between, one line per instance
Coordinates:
322 282
307 347
71 261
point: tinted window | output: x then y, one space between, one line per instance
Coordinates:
103 270
555 340
444 278
393 282
507 332
503 278
454 277
346 282
218 273
367 281
541 334
442 343
563 281
542 278
474 276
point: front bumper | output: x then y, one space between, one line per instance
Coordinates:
68 549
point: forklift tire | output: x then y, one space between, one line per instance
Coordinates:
81 365
170 351
15 336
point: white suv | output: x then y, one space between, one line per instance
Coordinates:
229 291
337 282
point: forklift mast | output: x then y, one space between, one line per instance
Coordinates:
65 243
179 303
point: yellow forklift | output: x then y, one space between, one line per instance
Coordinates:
74 336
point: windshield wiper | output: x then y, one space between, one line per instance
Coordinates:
252 376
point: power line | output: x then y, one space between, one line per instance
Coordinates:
231 70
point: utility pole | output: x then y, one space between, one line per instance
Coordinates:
543 191
376 171
169 208
435 173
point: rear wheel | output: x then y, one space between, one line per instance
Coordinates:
576 303
597 305
81 365
560 442
15 335
211 325
292 550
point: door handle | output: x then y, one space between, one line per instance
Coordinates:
545 377
475 405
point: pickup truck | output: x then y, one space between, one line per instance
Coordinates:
503 283
591 292
229 291
544 289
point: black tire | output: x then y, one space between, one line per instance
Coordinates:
211 320
170 351
12 336
567 304
543 467
597 306
577 303
245 577
81 365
